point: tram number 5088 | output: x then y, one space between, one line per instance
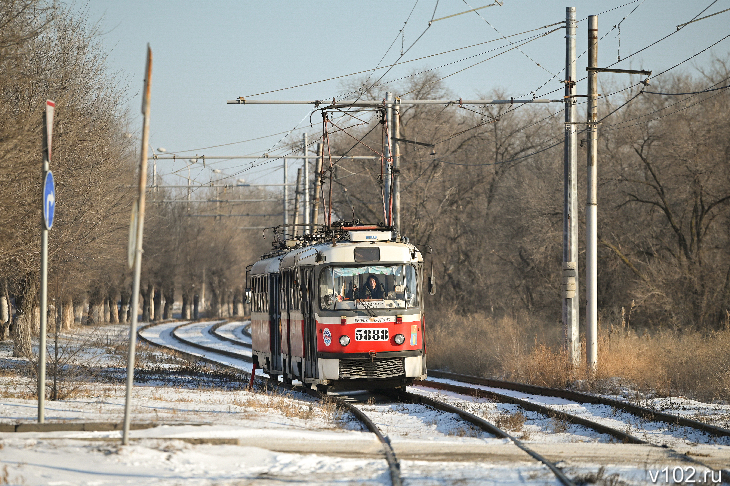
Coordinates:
371 334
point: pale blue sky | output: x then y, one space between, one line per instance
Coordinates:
208 52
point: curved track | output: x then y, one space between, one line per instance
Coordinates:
199 336
229 344
578 397
209 338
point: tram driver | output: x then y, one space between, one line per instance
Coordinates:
372 289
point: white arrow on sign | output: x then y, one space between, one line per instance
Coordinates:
50 203
49 200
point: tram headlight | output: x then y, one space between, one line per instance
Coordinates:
399 339
344 340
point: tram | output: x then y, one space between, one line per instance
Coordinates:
341 310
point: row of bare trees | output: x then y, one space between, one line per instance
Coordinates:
50 52
489 202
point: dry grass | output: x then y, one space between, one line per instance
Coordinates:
271 399
512 422
688 363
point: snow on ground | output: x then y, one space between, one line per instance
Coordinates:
654 432
206 428
234 330
199 332
162 335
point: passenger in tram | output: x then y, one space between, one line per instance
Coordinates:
373 289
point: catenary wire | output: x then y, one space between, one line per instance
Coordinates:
500 34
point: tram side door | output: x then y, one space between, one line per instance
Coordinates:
274 319
310 327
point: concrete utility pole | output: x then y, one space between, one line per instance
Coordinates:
296 203
306 184
592 200
592 193
395 121
388 158
286 195
317 184
571 298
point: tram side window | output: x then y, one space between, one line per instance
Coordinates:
296 292
266 293
282 292
254 295
259 306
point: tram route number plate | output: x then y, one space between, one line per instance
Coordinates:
371 334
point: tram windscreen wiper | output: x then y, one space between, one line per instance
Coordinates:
365 306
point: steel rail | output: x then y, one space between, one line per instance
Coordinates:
642 412
543 391
535 407
486 426
230 354
213 331
393 464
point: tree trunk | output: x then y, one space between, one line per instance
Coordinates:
196 304
124 311
4 311
79 313
169 301
96 313
67 311
146 305
157 299
21 330
113 308
185 306
237 305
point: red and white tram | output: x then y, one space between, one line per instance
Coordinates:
345 311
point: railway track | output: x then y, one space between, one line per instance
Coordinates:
212 330
217 339
620 435
578 397
199 336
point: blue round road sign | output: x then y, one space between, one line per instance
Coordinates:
49 200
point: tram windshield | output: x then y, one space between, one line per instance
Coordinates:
368 287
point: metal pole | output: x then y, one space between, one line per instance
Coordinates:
296 203
388 157
140 202
571 298
317 184
44 323
396 166
286 196
47 131
592 201
306 184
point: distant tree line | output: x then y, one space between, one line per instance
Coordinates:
489 202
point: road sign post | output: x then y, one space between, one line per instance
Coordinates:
49 207
136 258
